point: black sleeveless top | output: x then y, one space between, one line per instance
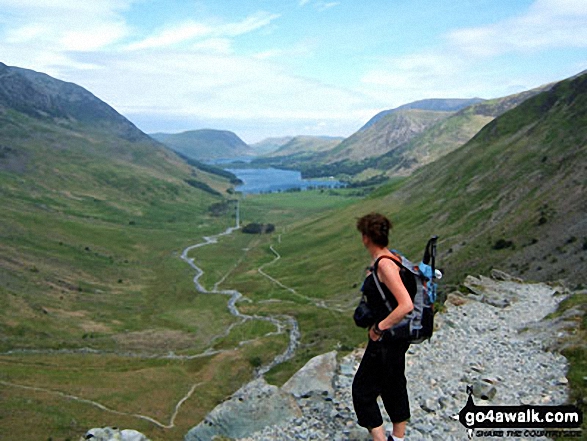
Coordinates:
374 299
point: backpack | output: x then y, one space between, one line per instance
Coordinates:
418 325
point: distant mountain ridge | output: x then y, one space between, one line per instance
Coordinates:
432 104
398 141
302 145
206 144
269 145
41 96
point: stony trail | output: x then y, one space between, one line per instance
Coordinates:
493 340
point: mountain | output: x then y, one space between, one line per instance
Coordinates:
90 204
350 156
39 96
511 198
399 141
433 104
206 144
448 134
388 133
305 145
269 145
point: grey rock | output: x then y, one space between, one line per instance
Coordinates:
253 407
484 390
496 350
113 434
317 376
503 276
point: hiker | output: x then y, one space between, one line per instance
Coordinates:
381 372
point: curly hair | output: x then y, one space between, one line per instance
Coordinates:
376 227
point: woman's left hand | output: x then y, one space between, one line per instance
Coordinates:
374 335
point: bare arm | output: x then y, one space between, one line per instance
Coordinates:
388 273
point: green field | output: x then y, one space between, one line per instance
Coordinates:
130 299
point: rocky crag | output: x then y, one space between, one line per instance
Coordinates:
487 339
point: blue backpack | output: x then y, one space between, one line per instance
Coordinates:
419 281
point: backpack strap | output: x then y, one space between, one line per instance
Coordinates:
383 297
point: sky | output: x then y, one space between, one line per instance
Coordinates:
270 68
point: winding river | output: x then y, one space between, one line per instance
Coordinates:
283 323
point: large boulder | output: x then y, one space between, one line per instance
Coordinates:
113 434
489 291
252 408
315 378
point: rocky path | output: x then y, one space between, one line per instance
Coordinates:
488 340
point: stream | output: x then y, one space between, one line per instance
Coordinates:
283 323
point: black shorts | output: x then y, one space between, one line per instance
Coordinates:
381 373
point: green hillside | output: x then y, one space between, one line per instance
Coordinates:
96 305
95 302
434 104
87 215
301 146
205 144
512 198
446 135
396 142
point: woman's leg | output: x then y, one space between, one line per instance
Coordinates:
394 391
399 429
378 433
366 389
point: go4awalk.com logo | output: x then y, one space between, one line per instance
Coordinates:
520 421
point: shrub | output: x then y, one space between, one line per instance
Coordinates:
501 244
256 228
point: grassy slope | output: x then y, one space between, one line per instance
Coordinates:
90 235
302 146
498 186
388 133
205 144
77 207
503 186
92 260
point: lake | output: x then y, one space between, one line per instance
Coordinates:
268 180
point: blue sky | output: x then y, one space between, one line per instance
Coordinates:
264 68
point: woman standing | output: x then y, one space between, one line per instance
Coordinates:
381 372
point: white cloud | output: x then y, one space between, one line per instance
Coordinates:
319 5
323 6
546 24
189 31
212 86
177 34
62 25
463 64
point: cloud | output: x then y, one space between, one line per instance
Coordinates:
470 61
319 5
209 85
190 30
173 35
546 24
64 25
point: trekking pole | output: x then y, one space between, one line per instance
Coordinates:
433 240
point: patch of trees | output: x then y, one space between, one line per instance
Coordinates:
221 208
502 244
210 169
202 186
257 228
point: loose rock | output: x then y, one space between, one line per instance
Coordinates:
481 344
